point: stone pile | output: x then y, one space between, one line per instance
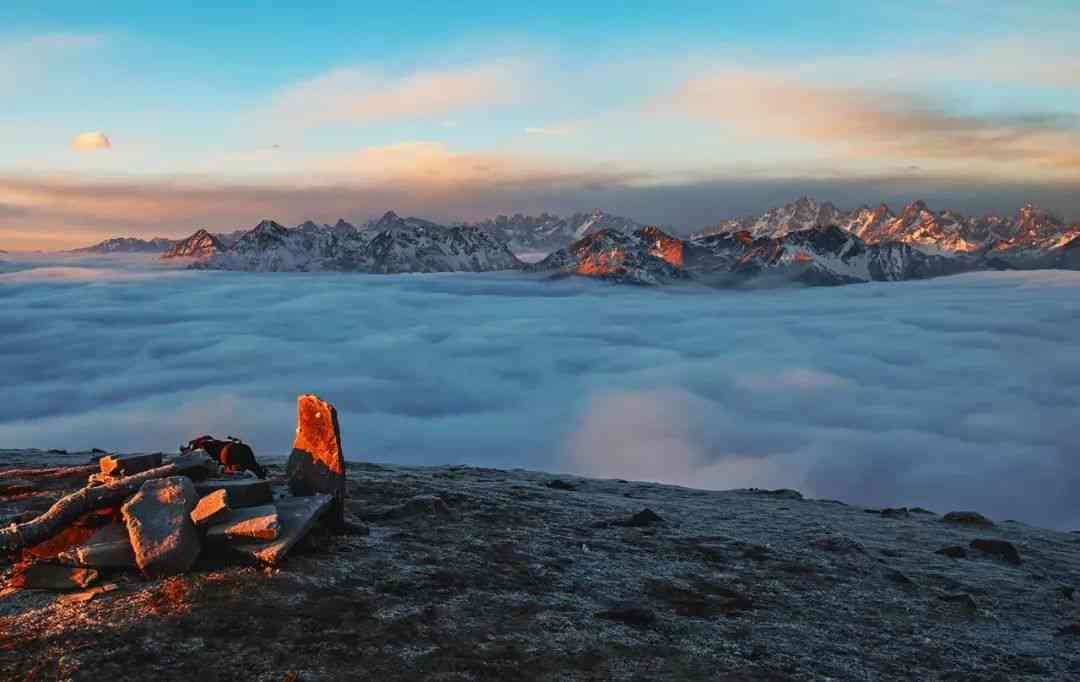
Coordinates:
187 508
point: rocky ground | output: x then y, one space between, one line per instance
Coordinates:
471 574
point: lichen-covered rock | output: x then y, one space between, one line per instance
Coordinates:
317 463
159 525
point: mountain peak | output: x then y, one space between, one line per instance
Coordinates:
267 224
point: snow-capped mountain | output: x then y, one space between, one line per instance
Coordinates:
389 245
547 232
202 244
1030 232
817 255
128 245
802 214
644 256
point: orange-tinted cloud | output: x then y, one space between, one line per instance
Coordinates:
91 141
360 95
415 177
861 123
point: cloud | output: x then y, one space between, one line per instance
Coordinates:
423 163
360 95
91 141
861 393
863 123
560 132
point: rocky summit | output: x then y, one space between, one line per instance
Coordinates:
463 573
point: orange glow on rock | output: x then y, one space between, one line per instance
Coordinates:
601 263
664 246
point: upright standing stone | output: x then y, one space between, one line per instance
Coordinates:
317 464
159 525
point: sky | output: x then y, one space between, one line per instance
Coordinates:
149 119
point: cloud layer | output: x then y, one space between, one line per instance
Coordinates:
877 394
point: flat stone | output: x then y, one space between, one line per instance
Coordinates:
108 547
159 525
241 492
998 548
317 463
967 518
211 508
116 465
296 516
53 577
251 523
87 595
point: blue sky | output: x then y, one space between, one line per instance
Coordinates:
467 109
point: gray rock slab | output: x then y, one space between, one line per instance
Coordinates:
296 516
242 492
108 547
159 525
250 523
126 465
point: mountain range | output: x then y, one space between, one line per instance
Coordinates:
807 241
390 245
547 232
947 232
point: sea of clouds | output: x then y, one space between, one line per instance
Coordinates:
956 393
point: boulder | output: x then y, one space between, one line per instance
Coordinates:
108 547
252 523
967 518
211 508
998 548
296 516
559 484
645 517
159 525
317 463
126 465
241 492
